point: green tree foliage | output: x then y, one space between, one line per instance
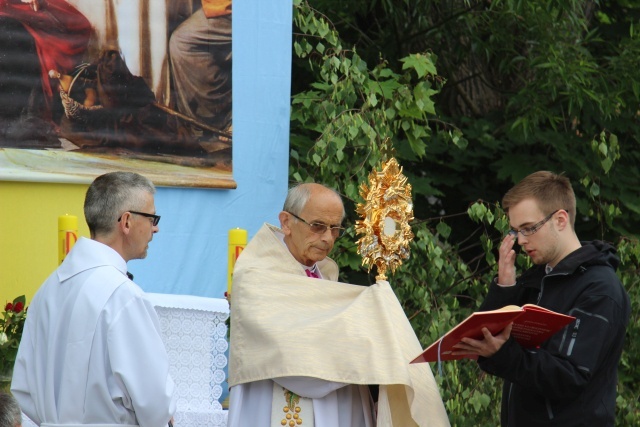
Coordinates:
471 96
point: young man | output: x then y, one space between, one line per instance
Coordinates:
91 351
304 347
571 379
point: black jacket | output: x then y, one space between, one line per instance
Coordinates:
571 379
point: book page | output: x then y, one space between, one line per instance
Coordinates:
505 308
536 308
537 324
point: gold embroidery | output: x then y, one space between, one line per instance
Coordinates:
291 409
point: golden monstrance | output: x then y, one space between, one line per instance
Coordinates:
386 213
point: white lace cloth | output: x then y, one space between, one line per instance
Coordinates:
194 333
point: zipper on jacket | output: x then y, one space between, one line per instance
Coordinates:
549 408
509 403
542 284
574 334
573 339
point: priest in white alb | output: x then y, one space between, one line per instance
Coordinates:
305 348
91 352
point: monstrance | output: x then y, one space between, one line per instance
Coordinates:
386 213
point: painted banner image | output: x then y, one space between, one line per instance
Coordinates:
89 86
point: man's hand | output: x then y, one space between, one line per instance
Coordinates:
507 261
486 347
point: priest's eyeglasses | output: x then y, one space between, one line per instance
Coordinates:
528 231
320 228
155 219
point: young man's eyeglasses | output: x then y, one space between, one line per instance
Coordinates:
528 231
155 218
320 228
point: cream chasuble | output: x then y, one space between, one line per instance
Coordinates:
285 324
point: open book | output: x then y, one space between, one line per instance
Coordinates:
532 325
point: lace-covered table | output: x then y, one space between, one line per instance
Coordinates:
194 332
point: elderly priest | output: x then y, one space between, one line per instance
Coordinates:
304 347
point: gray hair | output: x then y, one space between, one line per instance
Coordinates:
112 194
299 195
10 414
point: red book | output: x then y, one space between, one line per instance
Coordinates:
532 325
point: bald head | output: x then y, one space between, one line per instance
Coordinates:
298 196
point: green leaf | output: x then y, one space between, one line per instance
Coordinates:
603 148
372 99
422 64
443 229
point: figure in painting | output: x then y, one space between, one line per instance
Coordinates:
108 108
200 52
36 36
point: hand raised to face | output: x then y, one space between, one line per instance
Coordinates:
507 261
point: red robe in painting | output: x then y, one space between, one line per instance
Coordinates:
61 35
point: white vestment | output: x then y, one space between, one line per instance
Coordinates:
322 339
91 350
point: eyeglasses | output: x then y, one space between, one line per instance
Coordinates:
528 231
320 228
155 218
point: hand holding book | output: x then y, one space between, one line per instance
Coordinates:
486 346
532 325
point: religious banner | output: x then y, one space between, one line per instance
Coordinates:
91 86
